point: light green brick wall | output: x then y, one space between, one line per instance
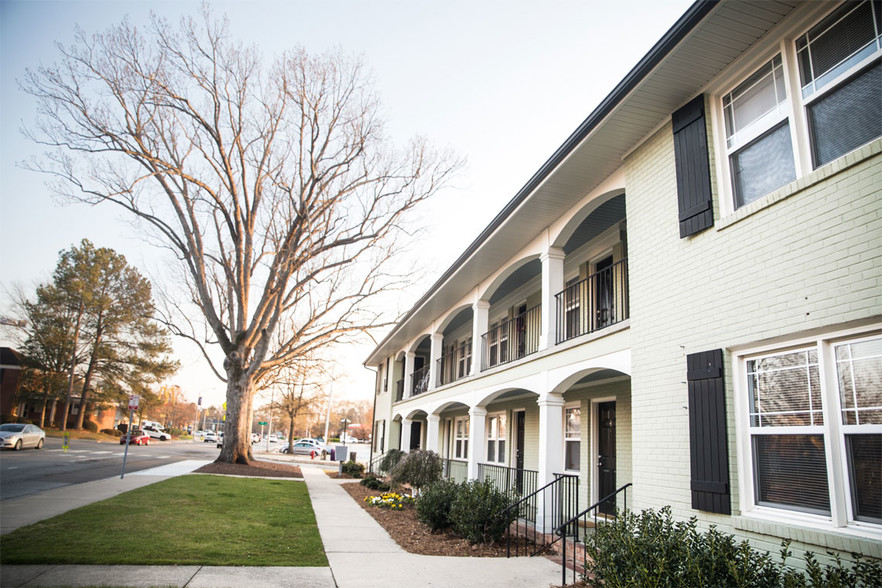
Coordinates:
808 257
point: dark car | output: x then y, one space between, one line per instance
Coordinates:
138 438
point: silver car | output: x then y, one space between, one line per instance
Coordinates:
17 436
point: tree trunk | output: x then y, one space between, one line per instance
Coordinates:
237 438
86 382
73 366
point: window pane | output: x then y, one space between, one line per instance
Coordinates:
847 117
865 473
573 423
501 456
756 97
784 390
838 40
763 166
859 366
571 459
502 431
491 450
791 471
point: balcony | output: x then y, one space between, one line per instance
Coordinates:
456 364
597 302
419 381
512 339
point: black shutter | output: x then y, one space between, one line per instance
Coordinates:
693 169
707 432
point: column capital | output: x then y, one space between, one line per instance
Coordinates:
406 421
477 411
481 305
550 400
552 253
433 418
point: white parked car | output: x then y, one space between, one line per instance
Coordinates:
209 437
156 433
18 436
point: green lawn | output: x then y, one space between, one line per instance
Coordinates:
187 520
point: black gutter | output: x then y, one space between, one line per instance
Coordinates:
684 25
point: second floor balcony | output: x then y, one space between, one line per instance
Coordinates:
597 302
512 339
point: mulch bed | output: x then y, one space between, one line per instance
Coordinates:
415 537
262 469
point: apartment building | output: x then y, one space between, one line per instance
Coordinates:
686 297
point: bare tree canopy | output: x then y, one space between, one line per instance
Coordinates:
274 186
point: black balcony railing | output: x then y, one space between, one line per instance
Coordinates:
598 301
512 339
519 482
454 470
419 381
399 390
456 364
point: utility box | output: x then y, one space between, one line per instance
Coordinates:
342 452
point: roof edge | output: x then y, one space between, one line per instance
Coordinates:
684 25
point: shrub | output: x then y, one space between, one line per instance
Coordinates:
650 549
433 506
390 460
476 512
353 469
375 483
90 426
112 432
419 468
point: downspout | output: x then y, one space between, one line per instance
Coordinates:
374 417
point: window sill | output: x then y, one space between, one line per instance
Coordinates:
821 174
853 539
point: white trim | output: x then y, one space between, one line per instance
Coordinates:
840 517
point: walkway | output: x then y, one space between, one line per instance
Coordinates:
360 552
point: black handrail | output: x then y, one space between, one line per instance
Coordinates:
573 523
565 493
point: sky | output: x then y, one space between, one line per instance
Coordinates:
501 83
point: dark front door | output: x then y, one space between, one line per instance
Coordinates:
520 427
604 292
415 434
606 458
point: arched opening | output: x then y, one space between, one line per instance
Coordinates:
514 316
419 378
453 441
456 348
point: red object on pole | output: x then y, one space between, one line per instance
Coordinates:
312 454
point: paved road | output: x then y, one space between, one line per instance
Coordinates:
27 472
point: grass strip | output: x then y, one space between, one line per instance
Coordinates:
187 520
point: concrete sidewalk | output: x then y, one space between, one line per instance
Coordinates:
360 552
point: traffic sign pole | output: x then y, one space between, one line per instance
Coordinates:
134 401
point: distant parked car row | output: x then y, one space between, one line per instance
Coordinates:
309 447
18 436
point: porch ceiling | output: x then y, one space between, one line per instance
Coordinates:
674 71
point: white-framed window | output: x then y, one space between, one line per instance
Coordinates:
464 358
496 432
461 437
810 431
816 98
572 437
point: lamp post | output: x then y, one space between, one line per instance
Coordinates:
345 422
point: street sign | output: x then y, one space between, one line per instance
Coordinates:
134 401
261 423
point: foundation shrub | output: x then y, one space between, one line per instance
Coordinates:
375 483
353 469
476 512
390 460
650 549
435 502
90 426
112 432
418 468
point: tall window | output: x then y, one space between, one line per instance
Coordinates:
572 437
464 358
790 414
840 75
758 134
496 431
461 438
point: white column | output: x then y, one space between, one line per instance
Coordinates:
551 411
408 372
432 428
480 325
552 283
405 435
477 427
437 340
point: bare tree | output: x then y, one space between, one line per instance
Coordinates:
275 187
